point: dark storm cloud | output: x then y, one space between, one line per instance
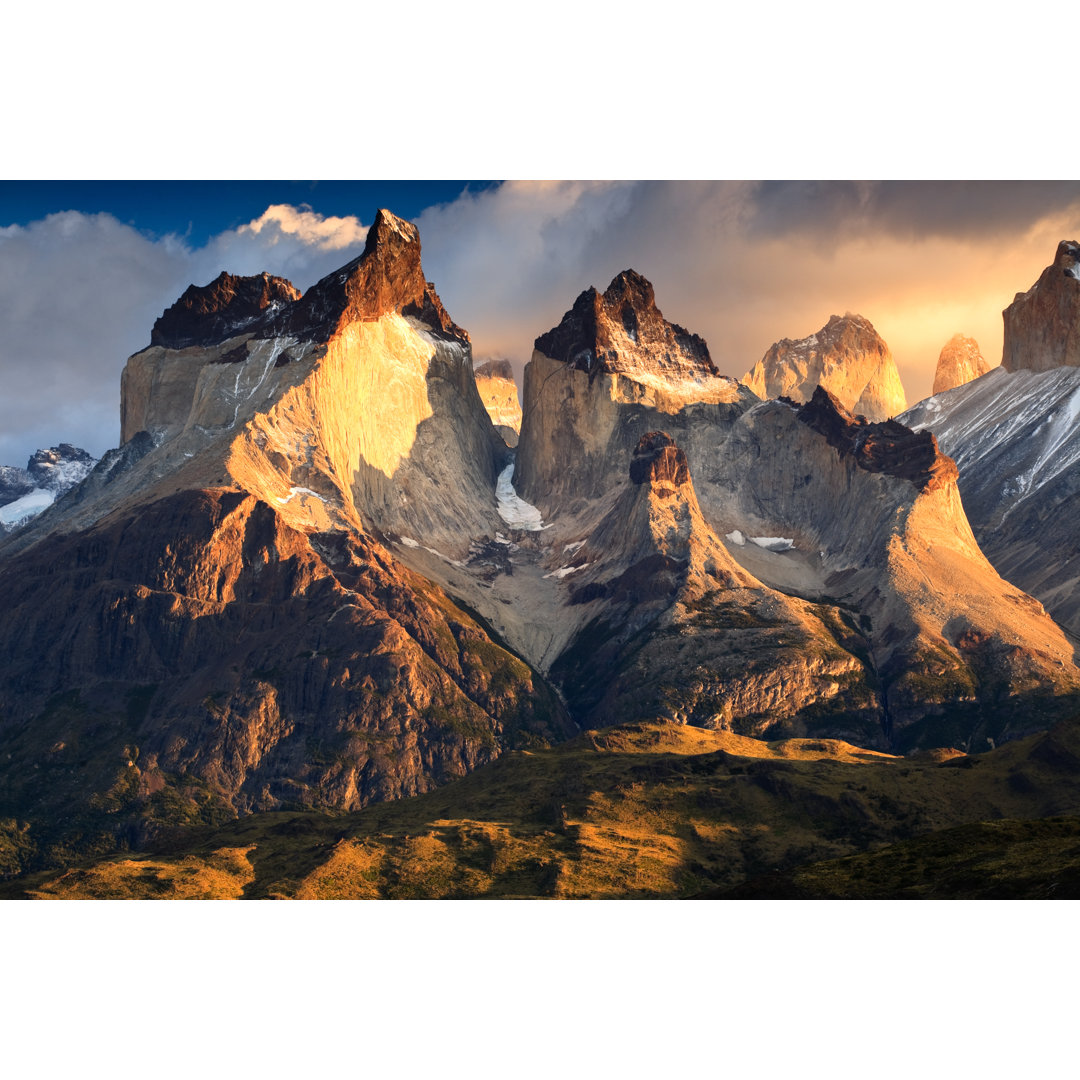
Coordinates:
907 209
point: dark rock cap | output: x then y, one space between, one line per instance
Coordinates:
387 277
595 333
886 447
229 305
657 460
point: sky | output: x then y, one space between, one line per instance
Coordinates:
86 268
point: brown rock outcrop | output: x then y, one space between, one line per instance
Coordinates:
887 447
847 356
657 460
198 656
1042 326
959 362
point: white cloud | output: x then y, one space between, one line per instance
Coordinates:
79 293
743 264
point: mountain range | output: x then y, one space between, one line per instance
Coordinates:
333 565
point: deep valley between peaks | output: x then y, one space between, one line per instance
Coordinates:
341 617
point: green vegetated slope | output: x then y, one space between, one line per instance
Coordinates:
646 810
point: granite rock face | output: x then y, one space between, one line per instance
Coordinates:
815 504
959 362
887 447
499 393
1042 325
846 356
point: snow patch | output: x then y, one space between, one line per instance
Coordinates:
22 510
517 513
409 542
773 543
565 571
570 549
736 537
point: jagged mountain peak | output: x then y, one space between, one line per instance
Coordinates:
883 447
959 362
847 356
388 277
229 305
622 331
1042 325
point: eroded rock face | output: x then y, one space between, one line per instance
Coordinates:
814 502
1042 326
657 460
229 305
356 402
217 600
847 356
1017 447
959 362
613 354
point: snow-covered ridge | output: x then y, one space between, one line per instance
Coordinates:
1034 414
49 474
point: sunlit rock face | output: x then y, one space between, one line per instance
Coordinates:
1042 326
498 392
814 501
353 402
677 628
226 307
612 355
217 601
959 362
847 356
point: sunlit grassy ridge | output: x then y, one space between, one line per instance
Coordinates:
644 810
